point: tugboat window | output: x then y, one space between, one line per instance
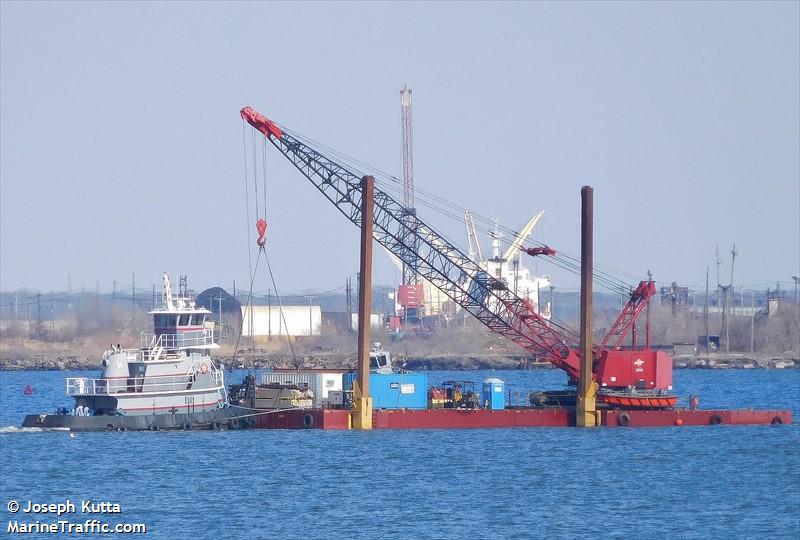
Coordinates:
184 320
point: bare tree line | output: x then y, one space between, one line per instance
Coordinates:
67 318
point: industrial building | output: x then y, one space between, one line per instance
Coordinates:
273 321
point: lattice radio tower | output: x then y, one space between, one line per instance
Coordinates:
409 272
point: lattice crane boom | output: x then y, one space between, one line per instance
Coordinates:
421 247
627 317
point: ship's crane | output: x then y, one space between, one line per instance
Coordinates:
523 235
460 277
474 248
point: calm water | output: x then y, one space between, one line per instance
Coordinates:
725 481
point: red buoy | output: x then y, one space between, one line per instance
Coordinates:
28 390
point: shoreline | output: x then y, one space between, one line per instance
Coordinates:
412 363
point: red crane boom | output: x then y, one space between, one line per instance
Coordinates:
627 317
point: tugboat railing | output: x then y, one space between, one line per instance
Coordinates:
196 338
82 386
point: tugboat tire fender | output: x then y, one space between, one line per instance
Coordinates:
715 420
624 419
186 426
234 423
152 427
776 420
308 420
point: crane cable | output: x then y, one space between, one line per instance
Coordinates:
570 264
249 310
262 246
261 226
562 260
247 199
569 332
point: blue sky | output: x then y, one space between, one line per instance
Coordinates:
121 141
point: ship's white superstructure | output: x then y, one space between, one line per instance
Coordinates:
508 268
170 372
505 266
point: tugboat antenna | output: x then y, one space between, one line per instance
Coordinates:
168 293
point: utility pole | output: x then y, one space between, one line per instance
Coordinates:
38 316
705 311
310 328
719 294
725 289
647 327
349 290
97 303
734 253
752 319
741 300
538 297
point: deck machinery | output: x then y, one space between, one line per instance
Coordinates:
634 379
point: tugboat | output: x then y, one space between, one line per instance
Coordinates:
170 382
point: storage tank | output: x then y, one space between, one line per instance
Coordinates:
493 396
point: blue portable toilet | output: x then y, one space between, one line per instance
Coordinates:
494 395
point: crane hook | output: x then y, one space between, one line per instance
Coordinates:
261 227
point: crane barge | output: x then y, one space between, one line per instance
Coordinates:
630 383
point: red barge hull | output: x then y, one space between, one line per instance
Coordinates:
516 418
